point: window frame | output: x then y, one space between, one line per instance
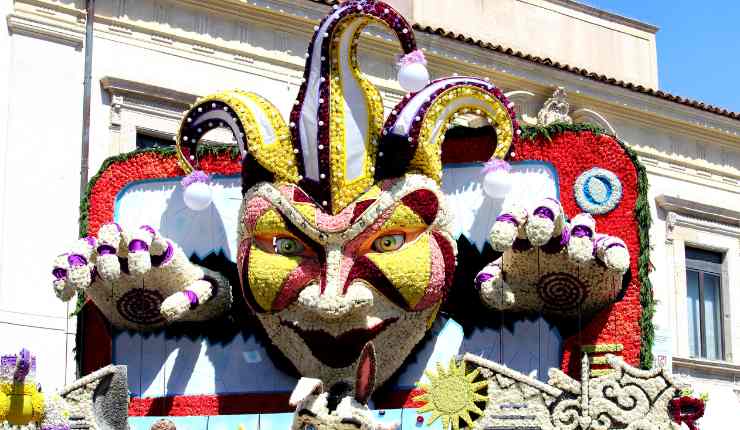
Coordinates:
686 227
702 267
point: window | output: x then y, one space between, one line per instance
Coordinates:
703 291
147 141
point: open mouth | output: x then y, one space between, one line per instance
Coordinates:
342 350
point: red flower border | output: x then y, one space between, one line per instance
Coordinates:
572 153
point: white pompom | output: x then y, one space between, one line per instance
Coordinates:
198 196
413 77
497 295
497 183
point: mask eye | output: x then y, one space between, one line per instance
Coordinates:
389 242
309 426
287 246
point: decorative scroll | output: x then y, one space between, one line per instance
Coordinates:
626 398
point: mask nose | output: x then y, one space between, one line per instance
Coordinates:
328 300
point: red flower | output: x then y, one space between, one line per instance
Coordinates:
138 166
686 410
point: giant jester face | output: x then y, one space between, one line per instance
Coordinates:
332 253
324 285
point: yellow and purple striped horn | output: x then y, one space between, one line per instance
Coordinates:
338 114
414 131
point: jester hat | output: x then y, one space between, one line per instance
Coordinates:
336 143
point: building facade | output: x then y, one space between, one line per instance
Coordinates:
151 59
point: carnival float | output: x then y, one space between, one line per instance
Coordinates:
355 267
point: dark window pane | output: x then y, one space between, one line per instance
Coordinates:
712 316
146 141
703 260
703 255
694 319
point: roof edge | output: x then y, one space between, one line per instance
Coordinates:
547 62
604 14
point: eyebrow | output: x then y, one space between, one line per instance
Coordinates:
353 421
306 412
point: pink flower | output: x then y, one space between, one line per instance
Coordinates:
412 57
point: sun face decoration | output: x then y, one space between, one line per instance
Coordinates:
453 395
343 233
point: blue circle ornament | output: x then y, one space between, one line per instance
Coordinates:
598 191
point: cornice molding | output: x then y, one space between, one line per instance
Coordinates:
696 171
719 368
28 26
446 56
693 214
118 86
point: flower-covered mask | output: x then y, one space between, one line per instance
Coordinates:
324 285
343 234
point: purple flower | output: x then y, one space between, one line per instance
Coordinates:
495 164
412 57
195 176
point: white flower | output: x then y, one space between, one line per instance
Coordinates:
539 230
580 249
509 226
613 252
580 245
503 235
493 290
545 222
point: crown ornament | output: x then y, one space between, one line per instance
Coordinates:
336 142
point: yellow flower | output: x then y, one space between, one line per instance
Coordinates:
453 395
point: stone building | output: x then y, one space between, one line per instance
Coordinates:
152 58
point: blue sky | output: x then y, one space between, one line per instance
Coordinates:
698 45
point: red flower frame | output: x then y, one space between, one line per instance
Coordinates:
570 152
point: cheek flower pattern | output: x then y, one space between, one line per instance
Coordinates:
377 271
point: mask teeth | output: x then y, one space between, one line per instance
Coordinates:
338 113
419 122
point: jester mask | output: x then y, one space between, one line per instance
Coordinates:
343 232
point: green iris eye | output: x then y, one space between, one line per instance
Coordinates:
388 243
287 246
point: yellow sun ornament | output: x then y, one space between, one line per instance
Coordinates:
453 395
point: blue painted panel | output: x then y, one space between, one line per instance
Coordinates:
127 350
182 423
473 213
177 366
485 342
551 344
160 204
447 336
257 372
409 421
533 345
521 347
389 416
234 422
153 354
183 375
275 421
